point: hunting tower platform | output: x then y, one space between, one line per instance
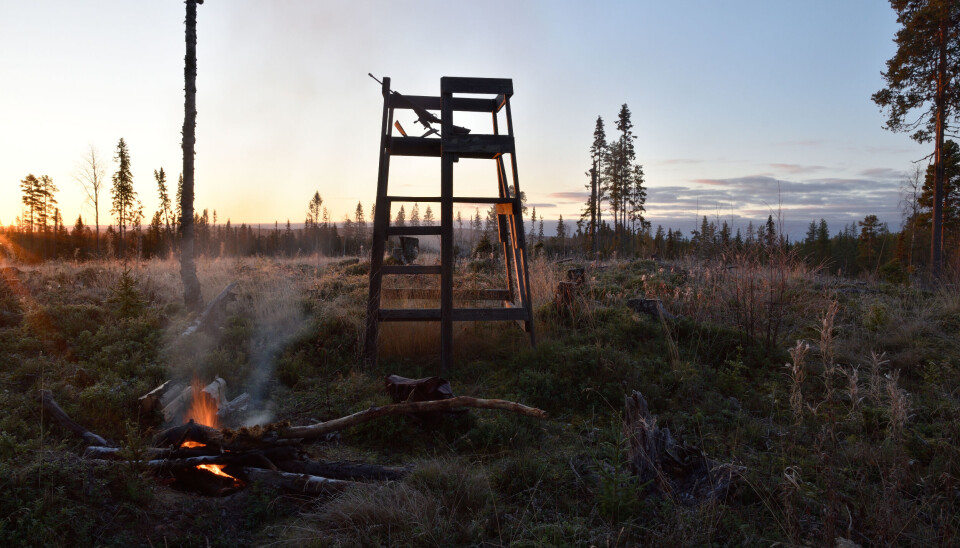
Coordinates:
452 144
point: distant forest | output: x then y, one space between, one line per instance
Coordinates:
865 247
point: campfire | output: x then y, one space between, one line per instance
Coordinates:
203 410
206 453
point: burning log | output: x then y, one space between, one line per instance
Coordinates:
174 408
213 312
233 408
175 437
297 483
46 397
212 395
317 430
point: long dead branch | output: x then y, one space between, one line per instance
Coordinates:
298 483
65 421
212 312
317 430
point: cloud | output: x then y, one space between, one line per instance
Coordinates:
578 196
679 161
542 205
883 173
797 168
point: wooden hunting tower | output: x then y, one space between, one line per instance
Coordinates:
450 145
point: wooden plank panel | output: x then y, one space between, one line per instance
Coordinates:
414 146
489 314
413 231
493 86
410 269
456 199
478 146
460 104
409 314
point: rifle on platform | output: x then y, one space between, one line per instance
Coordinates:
424 117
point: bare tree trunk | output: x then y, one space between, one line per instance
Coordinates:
936 234
188 269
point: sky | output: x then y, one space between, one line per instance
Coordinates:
740 108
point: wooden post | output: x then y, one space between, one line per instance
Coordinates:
380 220
446 230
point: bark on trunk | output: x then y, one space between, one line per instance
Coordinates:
936 228
192 298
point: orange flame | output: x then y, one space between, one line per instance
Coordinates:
203 409
216 469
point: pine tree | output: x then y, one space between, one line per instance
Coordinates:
30 187
950 195
123 196
401 218
924 74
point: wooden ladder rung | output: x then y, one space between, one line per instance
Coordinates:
416 293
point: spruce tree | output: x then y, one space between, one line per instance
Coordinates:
124 198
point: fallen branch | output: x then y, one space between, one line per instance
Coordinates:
317 430
206 318
344 470
65 421
298 483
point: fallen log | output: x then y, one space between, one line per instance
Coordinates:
297 483
116 453
317 430
46 398
344 470
212 312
